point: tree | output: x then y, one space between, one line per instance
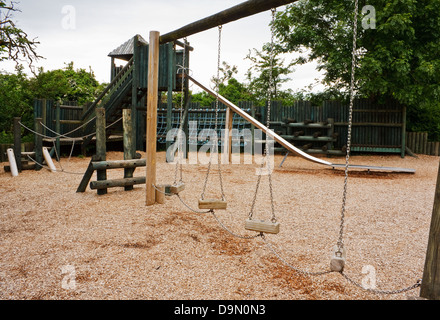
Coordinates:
15 101
263 63
398 59
229 87
226 72
17 92
15 44
66 84
234 91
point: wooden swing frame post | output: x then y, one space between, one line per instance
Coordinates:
152 99
430 287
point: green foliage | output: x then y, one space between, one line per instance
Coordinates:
256 88
203 98
226 72
66 84
6 137
15 100
264 63
234 91
17 93
425 118
399 59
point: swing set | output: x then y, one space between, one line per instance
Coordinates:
270 225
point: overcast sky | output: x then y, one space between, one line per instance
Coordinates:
99 26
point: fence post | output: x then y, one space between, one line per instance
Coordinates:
38 143
101 149
128 144
403 148
17 143
253 129
58 129
425 142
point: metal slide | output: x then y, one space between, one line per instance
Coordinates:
287 144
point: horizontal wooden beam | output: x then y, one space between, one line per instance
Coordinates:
308 138
310 125
77 108
119 164
73 122
104 184
237 12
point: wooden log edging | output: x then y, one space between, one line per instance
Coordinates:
105 184
119 164
96 164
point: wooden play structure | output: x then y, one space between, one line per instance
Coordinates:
127 90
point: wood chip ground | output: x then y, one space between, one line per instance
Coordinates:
59 244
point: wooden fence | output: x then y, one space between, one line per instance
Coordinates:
63 120
417 142
376 127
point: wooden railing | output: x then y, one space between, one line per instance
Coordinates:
111 88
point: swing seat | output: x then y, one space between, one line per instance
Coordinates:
262 226
177 188
212 204
337 262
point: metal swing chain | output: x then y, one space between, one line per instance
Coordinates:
215 142
340 242
179 134
266 149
